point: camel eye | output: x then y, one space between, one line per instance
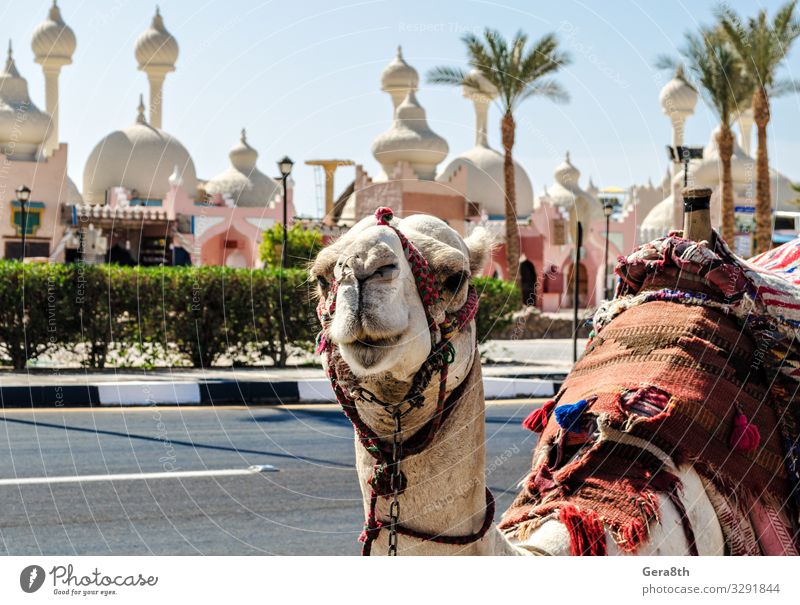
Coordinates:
454 282
322 283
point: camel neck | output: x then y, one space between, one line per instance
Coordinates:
446 493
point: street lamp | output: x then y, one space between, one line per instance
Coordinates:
23 195
285 166
684 153
608 210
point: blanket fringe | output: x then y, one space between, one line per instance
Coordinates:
587 535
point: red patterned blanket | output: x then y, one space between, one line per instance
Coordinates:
691 362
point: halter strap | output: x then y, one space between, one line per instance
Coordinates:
441 356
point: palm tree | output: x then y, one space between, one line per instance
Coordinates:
518 72
726 87
763 46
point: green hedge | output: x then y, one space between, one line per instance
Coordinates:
148 316
186 316
498 301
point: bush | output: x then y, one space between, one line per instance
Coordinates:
189 315
498 301
303 245
33 315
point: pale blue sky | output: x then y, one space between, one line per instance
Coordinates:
303 78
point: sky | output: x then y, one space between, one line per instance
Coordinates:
304 78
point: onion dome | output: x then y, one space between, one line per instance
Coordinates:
411 140
566 174
53 40
477 87
566 193
156 48
243 182
399 78
140 158
678 98
22 125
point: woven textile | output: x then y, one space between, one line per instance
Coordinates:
693 361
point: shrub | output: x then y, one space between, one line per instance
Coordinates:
185 315
188 315
303 245
498 301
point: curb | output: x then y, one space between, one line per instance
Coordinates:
223 392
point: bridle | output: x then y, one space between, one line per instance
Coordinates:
387 480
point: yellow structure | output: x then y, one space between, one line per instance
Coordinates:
330 167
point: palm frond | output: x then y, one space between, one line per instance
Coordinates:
549 89
454 76
666 62
517 68
783 87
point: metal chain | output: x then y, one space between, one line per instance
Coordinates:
395 483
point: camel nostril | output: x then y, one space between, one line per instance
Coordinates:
385 272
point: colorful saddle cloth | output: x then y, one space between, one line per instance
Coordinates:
695 360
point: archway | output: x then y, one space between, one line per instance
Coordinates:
527 278
583 284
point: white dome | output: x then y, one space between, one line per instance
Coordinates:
478 88
411 140
53 40
156 48
658 221
708 171
566 193
138 157
678 97
243 182
74 197
399 78
22 125
486 183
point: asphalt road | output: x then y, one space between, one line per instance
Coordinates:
310 506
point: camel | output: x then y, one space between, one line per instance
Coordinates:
386 288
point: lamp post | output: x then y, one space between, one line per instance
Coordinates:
23 195
608 210
285 166
684 154
576 273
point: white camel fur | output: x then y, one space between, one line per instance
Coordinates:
381 332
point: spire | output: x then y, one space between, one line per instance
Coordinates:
11 67
140 119
243 139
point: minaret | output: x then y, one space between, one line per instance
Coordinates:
398 79
482 92
745 122
53 45
678 100
156 53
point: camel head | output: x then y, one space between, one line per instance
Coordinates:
379 326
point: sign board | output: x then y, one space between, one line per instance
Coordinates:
744 221
558 232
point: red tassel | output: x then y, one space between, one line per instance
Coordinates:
587 536
537 419
745 436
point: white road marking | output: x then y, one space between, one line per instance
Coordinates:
233 472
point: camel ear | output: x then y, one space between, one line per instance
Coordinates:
480 244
